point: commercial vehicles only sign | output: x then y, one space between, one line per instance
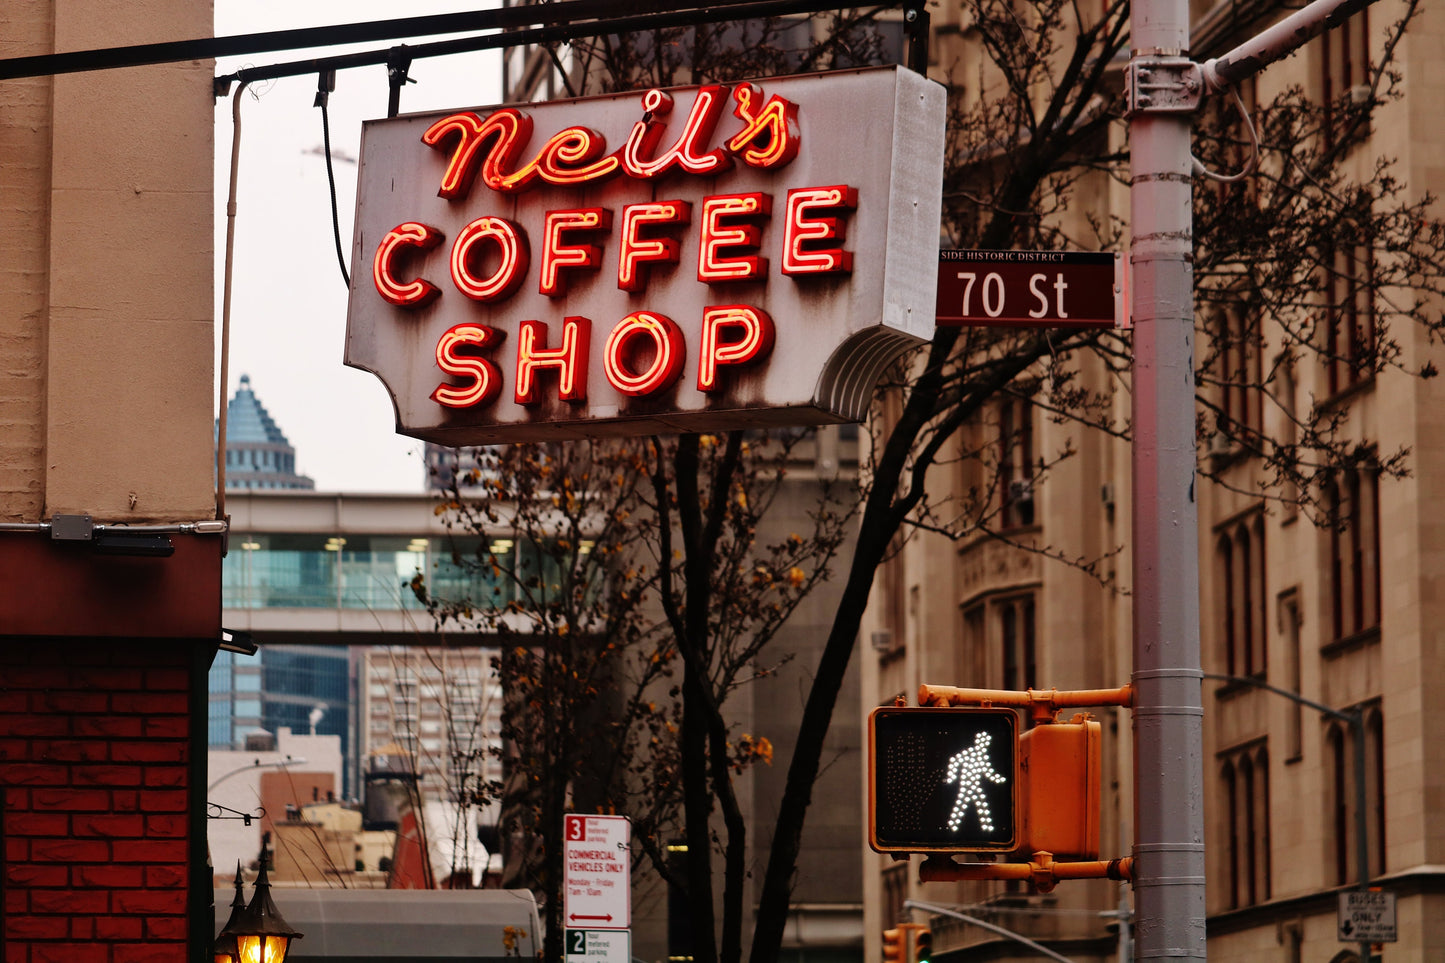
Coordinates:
596 872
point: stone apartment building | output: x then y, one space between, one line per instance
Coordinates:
1344 616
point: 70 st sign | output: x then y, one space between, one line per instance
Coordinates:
1030 289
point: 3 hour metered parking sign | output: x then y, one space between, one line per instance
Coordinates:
596 872
942 780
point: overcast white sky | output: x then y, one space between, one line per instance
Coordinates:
288 309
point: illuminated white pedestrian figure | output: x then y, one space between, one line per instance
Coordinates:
969 767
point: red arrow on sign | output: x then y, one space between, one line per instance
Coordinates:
607 919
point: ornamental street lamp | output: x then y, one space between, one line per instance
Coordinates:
226 950
256 933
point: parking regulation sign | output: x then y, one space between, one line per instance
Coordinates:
597 872
599 946
1367 917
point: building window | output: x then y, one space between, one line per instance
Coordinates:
1344 73
1289 626
1337 751
1350 317
895 891
1375 788
1015 463
1239 554
1017 638
1244 781
1344 797
1239 367
1353 503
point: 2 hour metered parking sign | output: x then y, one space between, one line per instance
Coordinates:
942 780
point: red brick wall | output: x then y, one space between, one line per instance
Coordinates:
95 758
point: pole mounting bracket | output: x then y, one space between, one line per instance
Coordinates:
1163 85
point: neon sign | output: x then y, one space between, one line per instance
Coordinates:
703 257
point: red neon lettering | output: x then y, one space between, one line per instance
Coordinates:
620 353
755 340
712 264
574 156
511 242
802 231
507 130
634 252
486 379
406 294
701 123
771 137
557 255
570 359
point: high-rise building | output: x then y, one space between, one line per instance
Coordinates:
257 452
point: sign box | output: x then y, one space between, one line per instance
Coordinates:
694 259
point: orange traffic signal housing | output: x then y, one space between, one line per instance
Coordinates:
893 945
1059 778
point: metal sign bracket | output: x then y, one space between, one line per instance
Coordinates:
1163 84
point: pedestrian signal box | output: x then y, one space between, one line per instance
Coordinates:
942 780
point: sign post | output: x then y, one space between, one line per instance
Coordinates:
597 888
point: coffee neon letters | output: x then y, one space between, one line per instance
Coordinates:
511 243
644 354
404 294
486 379
570 359
753 343
557 254
619 355
635 252
802 230
714 263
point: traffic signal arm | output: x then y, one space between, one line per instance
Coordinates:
1041 703
1042 871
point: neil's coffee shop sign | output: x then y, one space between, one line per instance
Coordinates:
688 259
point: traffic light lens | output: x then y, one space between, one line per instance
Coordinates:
943 780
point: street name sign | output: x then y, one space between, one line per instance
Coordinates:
599 946
596 872
1367 917
1030 289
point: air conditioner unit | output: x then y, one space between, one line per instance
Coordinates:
882 640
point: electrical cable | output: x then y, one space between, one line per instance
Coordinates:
1251 164
322 96
226 300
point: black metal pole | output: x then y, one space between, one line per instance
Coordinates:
578 17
